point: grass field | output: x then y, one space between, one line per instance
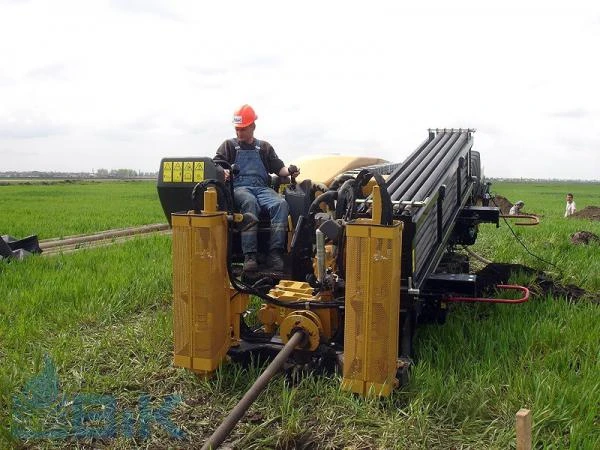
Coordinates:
102 319
579 265
64 209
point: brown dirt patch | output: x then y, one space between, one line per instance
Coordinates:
584 237
503 203
589 212
543 284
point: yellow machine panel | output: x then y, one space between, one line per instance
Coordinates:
198 171
167 172
177 171
201 291
373 256
188 172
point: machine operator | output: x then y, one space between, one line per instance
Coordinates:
255 160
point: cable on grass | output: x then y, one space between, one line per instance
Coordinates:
523 244
476 256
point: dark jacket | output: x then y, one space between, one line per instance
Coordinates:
269 158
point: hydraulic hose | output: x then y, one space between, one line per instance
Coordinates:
243 287
224 197
345 198
225 164
221 433
362 179
339 181
476 256
324 197
506 287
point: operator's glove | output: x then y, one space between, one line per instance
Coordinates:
293 171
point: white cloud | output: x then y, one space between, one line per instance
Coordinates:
133 81
29 125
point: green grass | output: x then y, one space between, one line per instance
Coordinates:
548 199
103 316
65 209
550 240
49 302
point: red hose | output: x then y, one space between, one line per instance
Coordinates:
512 287
533 220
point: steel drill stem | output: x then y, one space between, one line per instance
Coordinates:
221 433
108 234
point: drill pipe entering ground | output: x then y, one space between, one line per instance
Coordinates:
221 433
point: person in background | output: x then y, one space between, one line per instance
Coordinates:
251 191
571 208
517 207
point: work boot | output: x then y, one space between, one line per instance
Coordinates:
250 264
276 260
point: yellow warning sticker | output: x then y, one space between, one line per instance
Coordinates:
167 172
188 171
177 171
198 171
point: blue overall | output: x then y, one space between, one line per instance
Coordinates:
252 194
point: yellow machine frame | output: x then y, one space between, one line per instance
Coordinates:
207 309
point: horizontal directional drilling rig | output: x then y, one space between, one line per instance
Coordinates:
370 254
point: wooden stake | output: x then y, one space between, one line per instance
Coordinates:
524 429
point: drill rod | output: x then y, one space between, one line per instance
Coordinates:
221 433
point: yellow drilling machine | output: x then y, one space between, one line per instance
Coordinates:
370 254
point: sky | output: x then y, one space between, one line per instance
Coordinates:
116 84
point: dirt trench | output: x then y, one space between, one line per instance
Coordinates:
589 212
543 284
503 203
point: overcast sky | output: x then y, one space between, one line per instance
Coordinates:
122 83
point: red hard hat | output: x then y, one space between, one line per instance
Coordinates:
244 116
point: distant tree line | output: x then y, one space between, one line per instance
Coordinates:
123 173
100 173
537 180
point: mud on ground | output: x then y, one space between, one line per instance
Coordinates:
584 237
543 284
503 203
589 212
